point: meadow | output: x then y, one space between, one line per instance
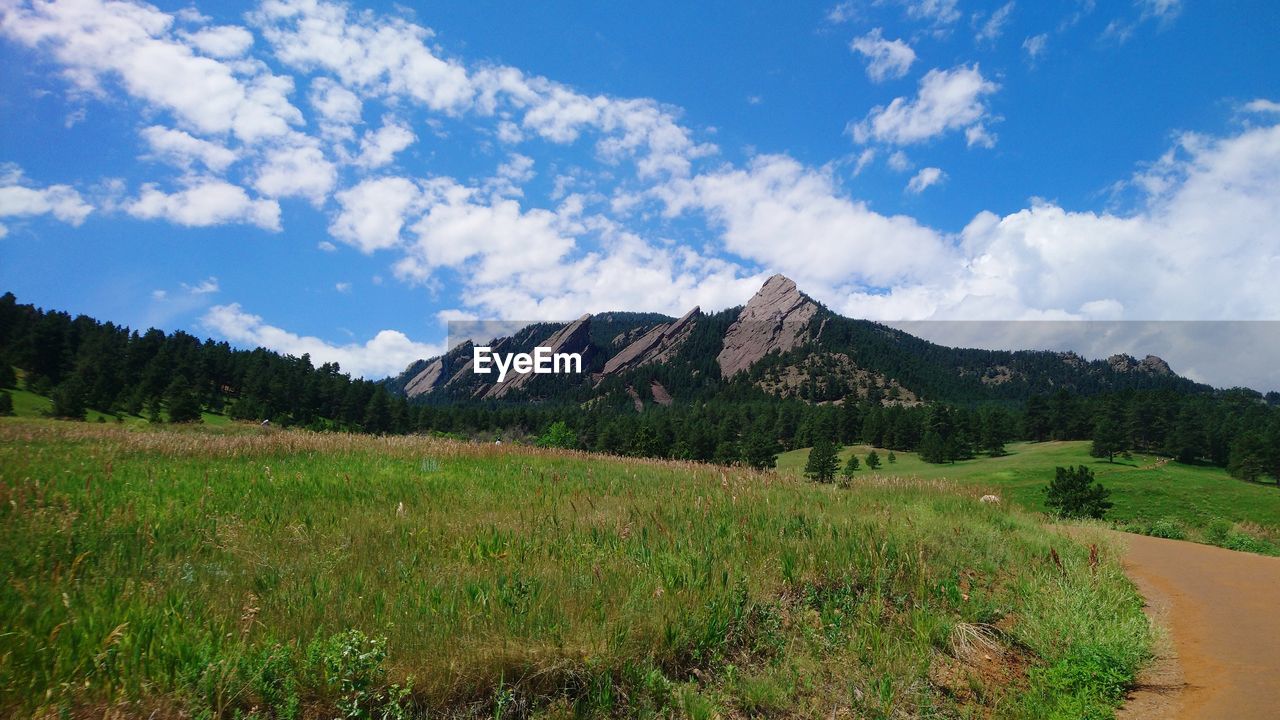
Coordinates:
1152 495
233 571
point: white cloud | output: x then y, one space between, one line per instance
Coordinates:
222 42
947 100
1163 10
373 212
205 202
865 158
182 149
387 353
208 286
1203 244
95 40
499 236
379 148
18 199
793 219
886 59
299 170
940 12
343 287
842 12
993 28
334 102
1035 45
1262 105
926 178
899 161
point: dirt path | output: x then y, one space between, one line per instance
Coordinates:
1222 612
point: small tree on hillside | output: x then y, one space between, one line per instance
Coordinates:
558 435
1108 439
69 399
761 451
1073 493
184 406
873 459
893 458
852 466
823 461
6 404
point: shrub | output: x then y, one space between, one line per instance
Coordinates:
6 403
1168 528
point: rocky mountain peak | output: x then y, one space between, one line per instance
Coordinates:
655 346
774 319
572 338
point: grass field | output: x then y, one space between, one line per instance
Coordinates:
1149 494
236 572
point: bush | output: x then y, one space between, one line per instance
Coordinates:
558 435
1168 528
1073 493
6 403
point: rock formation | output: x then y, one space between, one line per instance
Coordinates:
774 319
655 346
572 338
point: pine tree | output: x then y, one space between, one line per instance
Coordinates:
823 461
6 404
893 458
1073 493
377 414
851 467
761 450
184 406
873 460
1108 438
69 399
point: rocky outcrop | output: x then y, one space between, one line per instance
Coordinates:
655 346
439 371
775 319
660 394
572 338
1149 364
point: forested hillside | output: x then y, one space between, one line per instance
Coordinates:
82 365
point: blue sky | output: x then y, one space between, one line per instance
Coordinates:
341 179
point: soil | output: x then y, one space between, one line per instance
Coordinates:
1221 612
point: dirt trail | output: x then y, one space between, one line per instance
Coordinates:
1222 611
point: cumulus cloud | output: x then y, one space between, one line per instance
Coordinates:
19 199
297 170
183 149
794 219
927 177
373 212
1202 244
134 43
223 42
205 202
379 147
886 59
947 100
387 353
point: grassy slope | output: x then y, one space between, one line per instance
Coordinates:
219 569
1141 490
30 405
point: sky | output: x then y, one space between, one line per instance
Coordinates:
342 179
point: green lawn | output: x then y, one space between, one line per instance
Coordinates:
233 571
1144 489
30 405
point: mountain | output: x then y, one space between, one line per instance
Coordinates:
782 343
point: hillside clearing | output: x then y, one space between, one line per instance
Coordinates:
1147 491
218 571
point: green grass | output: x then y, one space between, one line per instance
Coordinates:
231 572
1145 490
31 405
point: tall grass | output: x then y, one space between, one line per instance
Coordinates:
229 571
